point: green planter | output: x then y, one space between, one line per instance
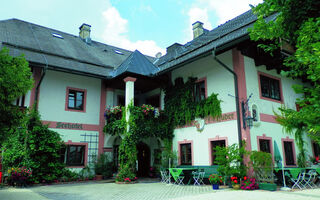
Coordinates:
268 186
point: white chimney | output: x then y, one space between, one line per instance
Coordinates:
84 33
198 29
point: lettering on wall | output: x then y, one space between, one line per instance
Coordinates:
69 125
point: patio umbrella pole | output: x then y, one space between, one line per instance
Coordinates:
169 171
284 179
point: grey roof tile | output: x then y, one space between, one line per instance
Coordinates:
136 63
225 33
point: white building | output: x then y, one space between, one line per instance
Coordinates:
78 78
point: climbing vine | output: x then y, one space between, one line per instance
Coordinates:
181 107
145 121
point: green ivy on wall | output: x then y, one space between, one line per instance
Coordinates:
145 121
181 107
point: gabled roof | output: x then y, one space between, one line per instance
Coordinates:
136 63
226 33
68 52
71 53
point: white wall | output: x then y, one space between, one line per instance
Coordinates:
273 130
53 98
219 80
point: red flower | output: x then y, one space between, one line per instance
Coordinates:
235 181
245 178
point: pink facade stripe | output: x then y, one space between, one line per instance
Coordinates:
71 126
287 139
103 97
179 150
84 99
217 138
280 86
85 152
268 118
230 116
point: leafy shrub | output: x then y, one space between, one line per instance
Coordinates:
103 166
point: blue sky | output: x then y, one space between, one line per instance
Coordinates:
147 25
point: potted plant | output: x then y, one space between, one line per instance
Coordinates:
249 184
230 159
235 182
215 180
103 167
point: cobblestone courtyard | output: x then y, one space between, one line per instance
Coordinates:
145 191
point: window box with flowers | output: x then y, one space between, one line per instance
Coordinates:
19 176
215 180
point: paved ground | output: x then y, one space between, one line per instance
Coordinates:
146 191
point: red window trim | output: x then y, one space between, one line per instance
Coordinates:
287 139
85 152
264 137
205 86
84 99
280 87
217 138
179 150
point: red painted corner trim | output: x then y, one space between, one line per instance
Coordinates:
36 76
217 138
103 97
239 69
287 139
280 86
129 79
84 99
268 118
85 152
264 137
205 84
179 150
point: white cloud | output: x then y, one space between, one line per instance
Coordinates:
224 10
228 9
197 14
116 33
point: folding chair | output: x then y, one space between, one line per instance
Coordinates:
198 178
178 179
309 179
165 176
298 182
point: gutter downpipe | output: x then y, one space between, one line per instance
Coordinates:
44 70
236 93
38 86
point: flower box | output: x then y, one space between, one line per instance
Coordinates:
268 186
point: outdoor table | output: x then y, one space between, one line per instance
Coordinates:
293 171
186 171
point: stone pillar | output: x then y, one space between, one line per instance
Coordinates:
129 94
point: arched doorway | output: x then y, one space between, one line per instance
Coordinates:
143 159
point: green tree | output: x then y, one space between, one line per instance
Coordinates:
297 22
35 146
15 81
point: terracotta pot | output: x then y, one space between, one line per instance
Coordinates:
236 186
98 177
